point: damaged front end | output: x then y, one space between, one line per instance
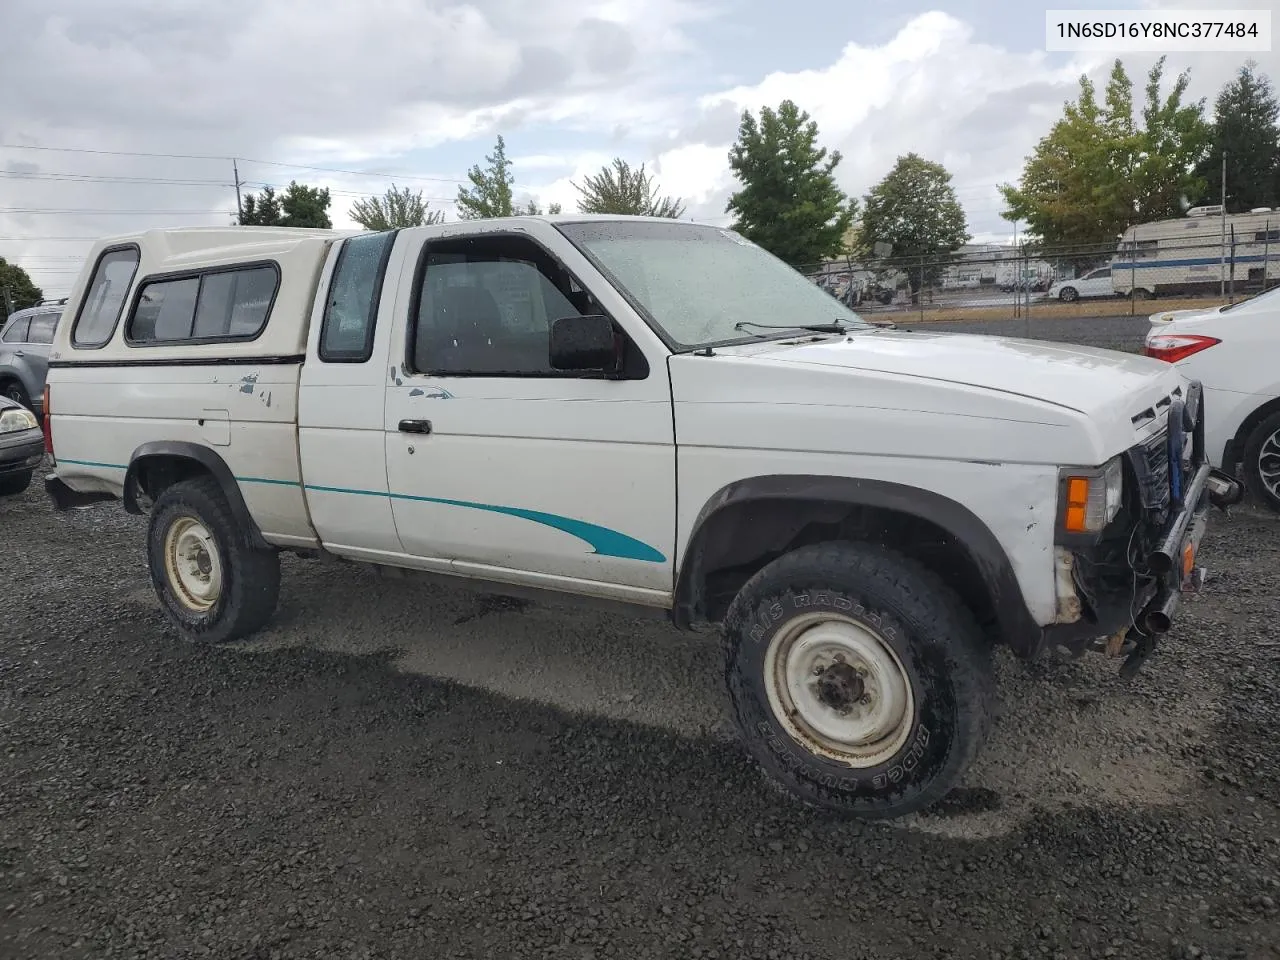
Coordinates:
1129 534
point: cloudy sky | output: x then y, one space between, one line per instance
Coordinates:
352 95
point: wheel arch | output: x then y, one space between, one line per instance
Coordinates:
750 522
1233 450
162 463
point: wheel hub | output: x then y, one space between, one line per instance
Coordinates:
840 686
840 689
192 564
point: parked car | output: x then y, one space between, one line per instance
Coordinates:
24 353
21 447
649 413
1234 351
1095 283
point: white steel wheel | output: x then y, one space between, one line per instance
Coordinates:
839 689
193 564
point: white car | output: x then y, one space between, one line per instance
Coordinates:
1234 351
648 413
1095 283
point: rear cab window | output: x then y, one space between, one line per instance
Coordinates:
100 310
351 311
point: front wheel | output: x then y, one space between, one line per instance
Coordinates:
1068 294
859 680
213 583
1261 467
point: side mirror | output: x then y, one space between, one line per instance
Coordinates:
585 343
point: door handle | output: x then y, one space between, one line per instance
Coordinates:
415 426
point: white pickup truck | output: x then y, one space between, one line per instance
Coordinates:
649 413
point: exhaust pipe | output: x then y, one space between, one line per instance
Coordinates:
1158 617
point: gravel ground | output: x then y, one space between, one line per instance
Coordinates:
393 771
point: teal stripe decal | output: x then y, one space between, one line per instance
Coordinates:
93 463
602 540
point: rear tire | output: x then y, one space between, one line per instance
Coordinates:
14 485
1261 462
212 583
859 680
17 393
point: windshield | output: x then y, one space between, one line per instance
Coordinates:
704 285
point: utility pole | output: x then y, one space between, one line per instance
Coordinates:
1222 267
239 203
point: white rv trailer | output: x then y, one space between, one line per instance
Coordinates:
1199 253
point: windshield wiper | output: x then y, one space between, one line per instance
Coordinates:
812 327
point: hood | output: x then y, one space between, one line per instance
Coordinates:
1085 379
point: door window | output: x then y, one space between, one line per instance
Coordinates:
16 332
486 305
42 327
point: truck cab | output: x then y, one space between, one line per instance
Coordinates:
651 414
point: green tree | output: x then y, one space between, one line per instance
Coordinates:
306 207
261 210
490 192
396 208
531 209
17 290
1245 129
915 210
298 206
625 191
789 203
1097 171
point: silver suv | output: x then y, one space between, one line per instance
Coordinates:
24 353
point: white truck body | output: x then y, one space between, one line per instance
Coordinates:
633 486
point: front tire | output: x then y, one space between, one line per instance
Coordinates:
1261 462
212 583
1068 294
860 682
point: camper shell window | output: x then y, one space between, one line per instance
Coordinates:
100 309
218 305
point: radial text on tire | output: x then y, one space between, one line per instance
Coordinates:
859 680
212 583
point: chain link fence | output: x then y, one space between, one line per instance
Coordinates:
1179 264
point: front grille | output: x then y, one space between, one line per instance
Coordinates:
1155 485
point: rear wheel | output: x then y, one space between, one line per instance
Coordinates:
1261 466
15 484
859 680
213 584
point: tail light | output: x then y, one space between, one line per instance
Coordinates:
1172 347
46 425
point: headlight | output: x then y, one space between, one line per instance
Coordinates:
11 421
1091 499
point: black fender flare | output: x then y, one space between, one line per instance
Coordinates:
1017 626
211 462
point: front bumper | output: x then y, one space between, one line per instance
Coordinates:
1158 562
20 452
